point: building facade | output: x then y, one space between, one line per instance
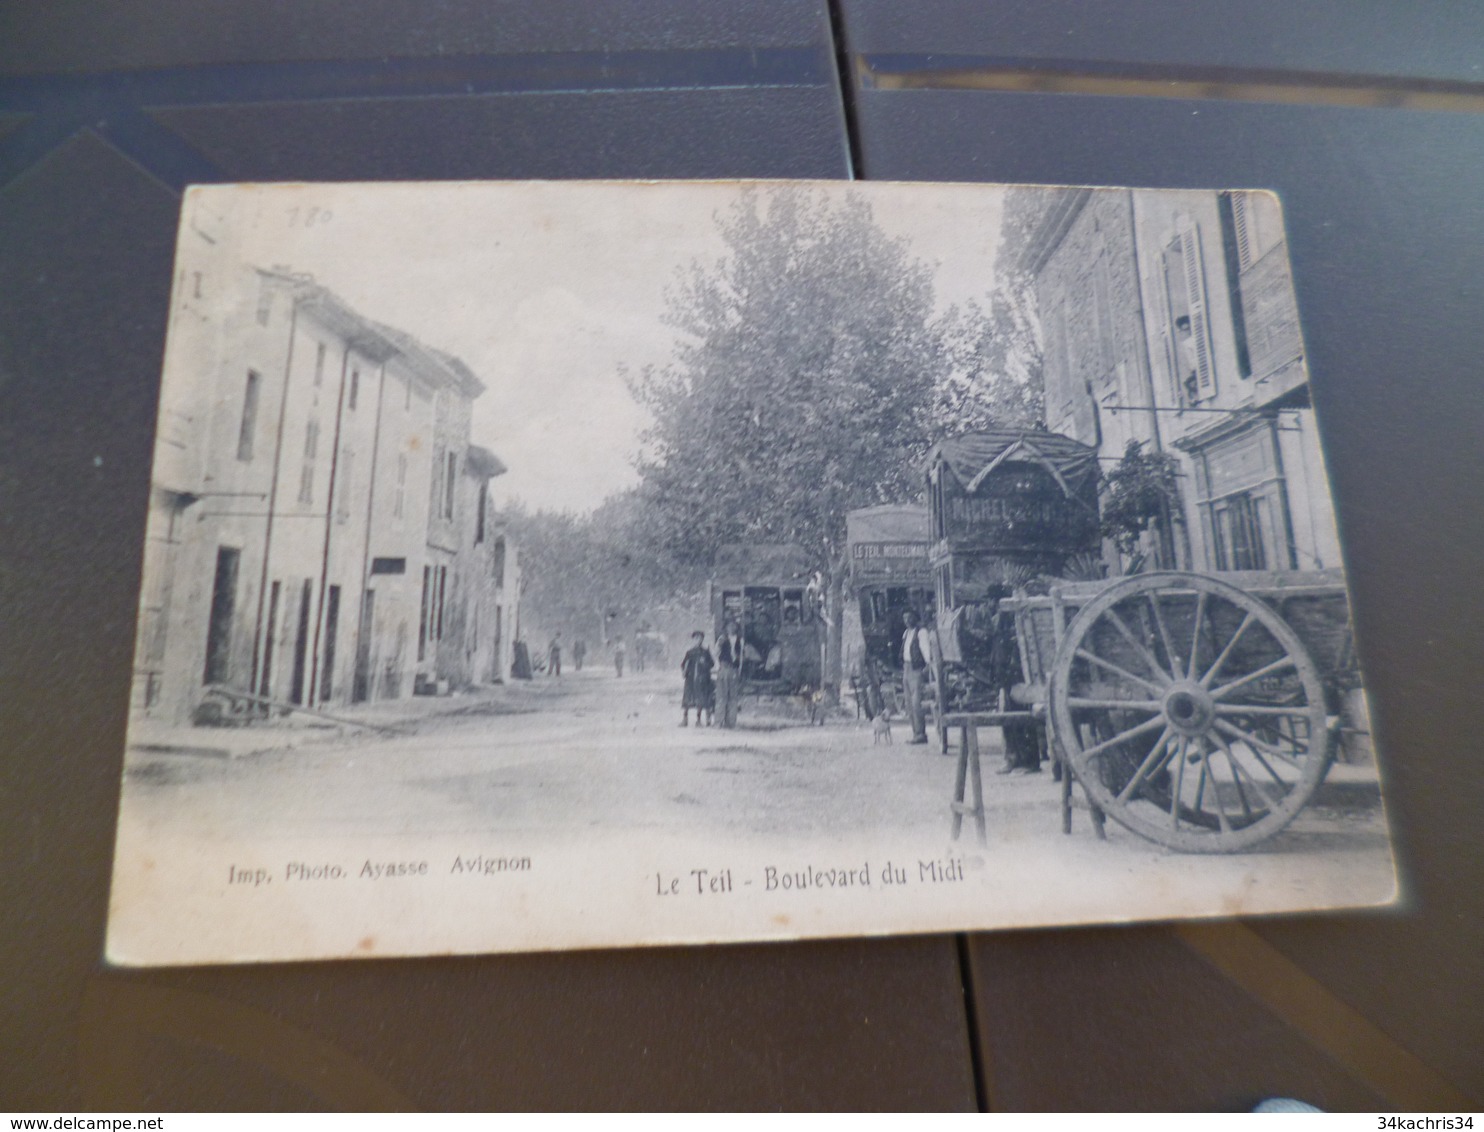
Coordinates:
1169 319
304 544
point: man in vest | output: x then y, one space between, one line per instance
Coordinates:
729 652
917 652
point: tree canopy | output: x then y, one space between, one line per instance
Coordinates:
812 369
803 380
576 571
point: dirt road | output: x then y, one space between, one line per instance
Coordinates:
582 751
593 752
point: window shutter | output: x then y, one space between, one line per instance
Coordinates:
1242 230
1195 292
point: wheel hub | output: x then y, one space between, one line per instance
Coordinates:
1189 708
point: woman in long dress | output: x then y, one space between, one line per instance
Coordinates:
700 691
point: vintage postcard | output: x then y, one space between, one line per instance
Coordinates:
568 565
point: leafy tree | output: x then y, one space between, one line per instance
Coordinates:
577 570
802 385
1138 493
996 353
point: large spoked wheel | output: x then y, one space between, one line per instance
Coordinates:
1190 712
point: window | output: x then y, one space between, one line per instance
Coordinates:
498 570
1237 244
1189 337
450 480
1264 314
442 593
345 477
355 389
484 495
306 471
332 626
388 565
249 415
1238 521
1243 500
319 364
1257 225
422 620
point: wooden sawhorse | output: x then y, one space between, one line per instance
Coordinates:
969 773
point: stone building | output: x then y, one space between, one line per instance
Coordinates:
1169 318
301 508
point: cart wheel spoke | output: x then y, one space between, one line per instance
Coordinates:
1266 670
1195 636
1164 635
1093 658
1208 773
1226 652
1302 711
1179 785
1284 784
1257 744
1237 773
1139 647
1113 705
1124 736
1156 761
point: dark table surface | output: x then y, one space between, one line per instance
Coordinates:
1367 119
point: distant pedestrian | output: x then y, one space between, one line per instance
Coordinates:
639 650
729 652
579 653
700 690
554 656
618 656
917 652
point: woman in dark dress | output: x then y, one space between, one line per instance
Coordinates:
700 692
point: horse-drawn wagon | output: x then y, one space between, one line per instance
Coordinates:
1198 710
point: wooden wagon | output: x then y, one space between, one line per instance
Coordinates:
764 589
1199 711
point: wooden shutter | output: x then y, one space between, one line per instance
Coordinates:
1242 230
1195 294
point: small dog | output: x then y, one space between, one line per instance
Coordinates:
811 699
816 707
881 729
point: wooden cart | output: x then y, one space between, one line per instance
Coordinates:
1198 711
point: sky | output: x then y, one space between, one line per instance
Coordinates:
547 290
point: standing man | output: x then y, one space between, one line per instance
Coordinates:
554 656
729 673
917 652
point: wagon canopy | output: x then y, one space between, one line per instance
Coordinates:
973 457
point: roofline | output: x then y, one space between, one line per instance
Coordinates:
375 339
1052 229
484 463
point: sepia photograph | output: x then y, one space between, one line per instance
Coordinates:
552 565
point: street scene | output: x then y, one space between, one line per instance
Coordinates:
864 558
